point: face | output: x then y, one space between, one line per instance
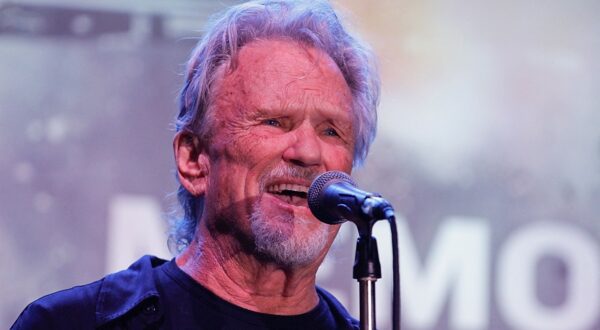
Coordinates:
279 119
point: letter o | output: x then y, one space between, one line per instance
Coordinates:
515 285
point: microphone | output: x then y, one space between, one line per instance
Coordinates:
334 198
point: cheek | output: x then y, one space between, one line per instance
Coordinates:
255 145
249 149
236 143
238 157
339 158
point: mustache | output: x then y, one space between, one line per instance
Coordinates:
288 171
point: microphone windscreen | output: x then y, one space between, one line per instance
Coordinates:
315 192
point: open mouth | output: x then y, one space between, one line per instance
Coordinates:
290 193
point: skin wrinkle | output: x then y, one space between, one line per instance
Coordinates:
223 98
243 155
234 286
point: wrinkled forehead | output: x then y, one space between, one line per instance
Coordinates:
269 73
285 55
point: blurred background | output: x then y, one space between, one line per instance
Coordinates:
488 146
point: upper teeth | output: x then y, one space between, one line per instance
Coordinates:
277 188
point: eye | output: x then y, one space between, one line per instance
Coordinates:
331 132
272 122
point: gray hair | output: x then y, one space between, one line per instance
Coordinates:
308 22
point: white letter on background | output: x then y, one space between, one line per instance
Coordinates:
516 286
135 228
458 265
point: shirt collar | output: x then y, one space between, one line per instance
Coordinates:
122 291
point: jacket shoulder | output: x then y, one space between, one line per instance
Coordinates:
68 308
343 318
94 304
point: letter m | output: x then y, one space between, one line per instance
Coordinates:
456 271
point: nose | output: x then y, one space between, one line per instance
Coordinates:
304 148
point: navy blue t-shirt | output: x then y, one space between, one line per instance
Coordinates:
190 306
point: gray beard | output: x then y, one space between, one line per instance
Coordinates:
283 247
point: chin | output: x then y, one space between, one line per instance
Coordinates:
288 239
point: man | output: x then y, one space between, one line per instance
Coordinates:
276 93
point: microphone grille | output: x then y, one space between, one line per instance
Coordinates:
317 186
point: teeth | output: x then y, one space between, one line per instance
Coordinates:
278 188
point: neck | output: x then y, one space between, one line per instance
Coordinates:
239 277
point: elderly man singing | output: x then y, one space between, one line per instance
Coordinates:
276 93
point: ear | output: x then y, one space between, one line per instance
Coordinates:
192 162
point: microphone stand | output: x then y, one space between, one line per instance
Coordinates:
366 270
334 198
